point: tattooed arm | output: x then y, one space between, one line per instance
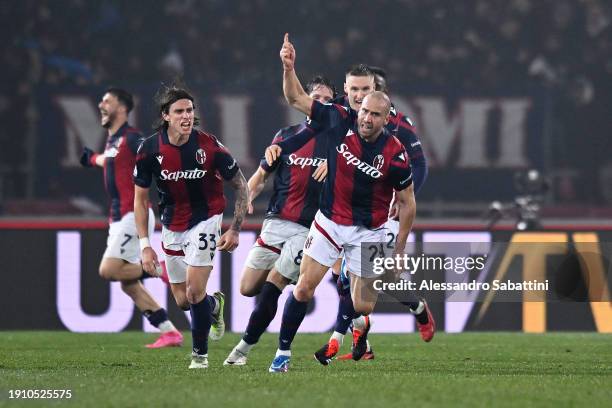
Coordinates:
229 240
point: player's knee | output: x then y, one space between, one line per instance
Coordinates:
193 295
106 273
248 289
303 293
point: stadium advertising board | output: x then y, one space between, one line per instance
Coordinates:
54 283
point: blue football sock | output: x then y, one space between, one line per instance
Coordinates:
346 314
292 318
201 318
264 312
157 317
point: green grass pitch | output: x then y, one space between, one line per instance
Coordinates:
469 369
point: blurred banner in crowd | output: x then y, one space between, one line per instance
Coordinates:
53 283
479 139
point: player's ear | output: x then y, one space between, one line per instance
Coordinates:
345 88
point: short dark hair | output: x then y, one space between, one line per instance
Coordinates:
124 97
380 78
320 80
359 70
166 96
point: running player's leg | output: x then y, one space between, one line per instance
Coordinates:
321 249
311 274
121 259
285 270
121 262
261 317
344 317
265 309
265 252
205 310
252 281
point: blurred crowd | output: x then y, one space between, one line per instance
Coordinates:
564 46
467 44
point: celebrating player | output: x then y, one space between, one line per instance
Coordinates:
188 166
366 164
274 260
401 127
121 260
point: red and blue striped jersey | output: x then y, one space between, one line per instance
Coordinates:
296 194
119 161
189 177
401 127
361 175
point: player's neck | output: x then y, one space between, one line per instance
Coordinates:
116 126
177 139
372 138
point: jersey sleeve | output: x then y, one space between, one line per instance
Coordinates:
400 173
133 140
225 163
143 171
295 142
328 115
406 133
278 138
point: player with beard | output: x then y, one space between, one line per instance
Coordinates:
402 128
121 260
354 203
189 166
274 260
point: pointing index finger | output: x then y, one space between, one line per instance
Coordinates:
286 37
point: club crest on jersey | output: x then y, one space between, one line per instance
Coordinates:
351 159
200 156
378 162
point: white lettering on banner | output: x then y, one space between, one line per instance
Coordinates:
304 161
234 121
456 313
183 174
472 151
442 131
82 127
465 129
69 309
351 159
242 306
513 132
82 123
121 308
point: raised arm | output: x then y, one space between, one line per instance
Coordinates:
292 88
